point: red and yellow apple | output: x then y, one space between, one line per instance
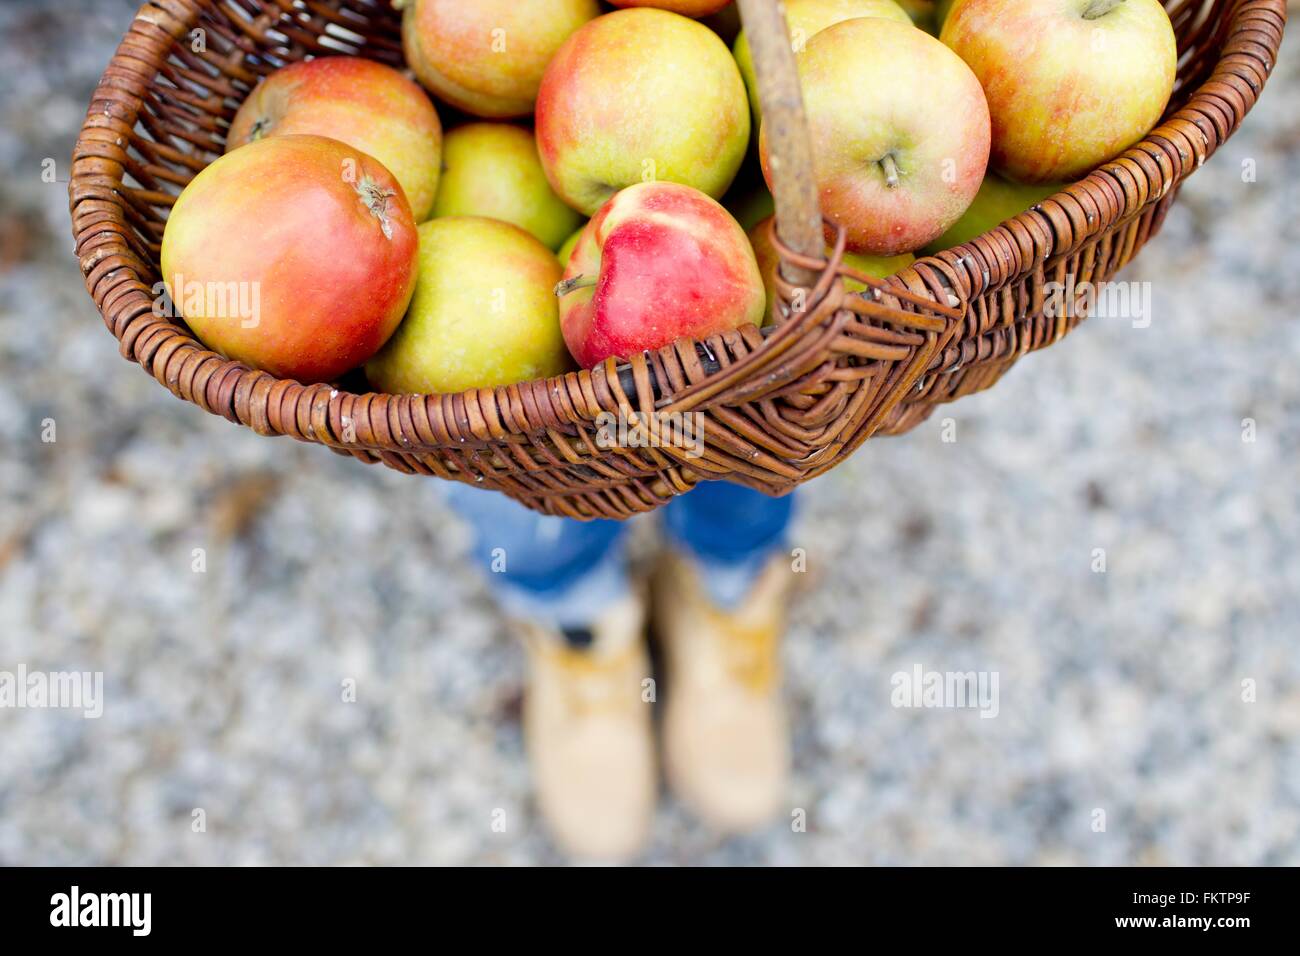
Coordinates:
687 8
1070 83
900 133
487 57
760 237
492 170
484 312
363 103
636 96
657 263
295 254
805 19
997 201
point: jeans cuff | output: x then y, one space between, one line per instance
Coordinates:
577 604
728 583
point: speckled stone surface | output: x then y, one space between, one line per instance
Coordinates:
1120 692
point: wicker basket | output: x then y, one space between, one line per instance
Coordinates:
776 410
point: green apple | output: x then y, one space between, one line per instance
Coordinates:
492 170
997 201
1070 83
805 19
484 312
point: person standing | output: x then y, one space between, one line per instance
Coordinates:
716 602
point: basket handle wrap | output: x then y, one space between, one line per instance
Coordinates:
794 186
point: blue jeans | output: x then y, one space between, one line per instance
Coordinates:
566 572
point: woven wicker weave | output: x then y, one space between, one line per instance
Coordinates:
776 411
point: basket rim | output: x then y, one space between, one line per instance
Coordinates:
1251 34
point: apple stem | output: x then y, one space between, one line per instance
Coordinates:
1099 8
890 167
376 199
572 285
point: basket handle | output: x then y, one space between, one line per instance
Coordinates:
790 161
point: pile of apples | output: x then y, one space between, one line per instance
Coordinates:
371 241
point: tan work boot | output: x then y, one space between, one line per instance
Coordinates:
726 736
588 733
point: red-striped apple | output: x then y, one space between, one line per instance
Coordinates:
900 133
641 95
363 103
312 234
484 312
1070 83
657 263
487 56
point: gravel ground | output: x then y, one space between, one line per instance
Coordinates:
1121 693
